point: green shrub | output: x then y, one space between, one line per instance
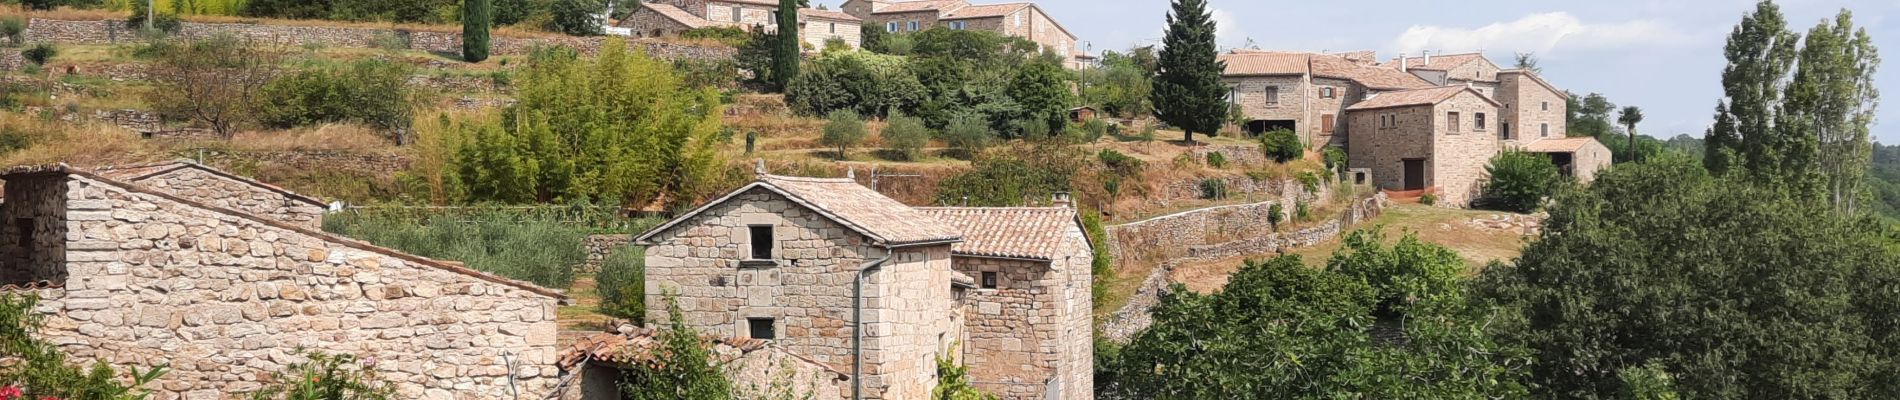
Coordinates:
373 92
1519 181
906 136
537 248
1309 181
40 53
954 382
1148 134
843 129
622 284
327 377
1024 172
1428 199
681 367
1335 158
1213 188
1121 164
1407 273
729 35
14 28
1216 160
575 17
1275 214
390 41
1301 211
1282 145
1103 267
39 370
163 22
968 133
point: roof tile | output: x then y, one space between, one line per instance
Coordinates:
1564 145
1443 62
1014 232
1255 63
984 11
864 209
1409 98
1368 76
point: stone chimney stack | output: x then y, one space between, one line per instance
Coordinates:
1061 199
1428 57
1402 62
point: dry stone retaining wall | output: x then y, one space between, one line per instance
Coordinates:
598 248
114 31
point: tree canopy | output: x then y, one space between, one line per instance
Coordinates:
1188 91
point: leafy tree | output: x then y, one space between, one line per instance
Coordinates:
872 36
510 12
1589 116
1282 145
1043 88
477 16
1120 87
576 17
755 56
374 92
968 133
1629 116
906 135
1831 100
287 9
864 83
682 367
1188 90
1014 176
327 376
39 53
622 284
1736 291
1527 62
1760 52
785 57
1409 274
843 129
215 81
1520 181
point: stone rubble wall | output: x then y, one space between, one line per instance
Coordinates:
1165 234
225 299
114 31
219 191
1246 156
383 164
598 248
1007 354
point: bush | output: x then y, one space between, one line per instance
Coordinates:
14 28
1519 181
38 370
954 382
1096 128
1103 267
1009 178
680 368
575 17
39 53
373 92
1428 199
906 135
1408 273
1309 181
537 248
1282 145
1301 211
1216 160
843 129
728 35
622 284
1213 188
1275 214
161 22
968 133
1335 158
327 377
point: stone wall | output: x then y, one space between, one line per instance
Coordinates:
1244 156
379 163
598 248
1031 331
224 191
114 31
1169 236
1533 110
35 229
1459 157
807 290
225 298
1383 148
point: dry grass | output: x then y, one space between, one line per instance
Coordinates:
343 137
1436 225
73 14
84 144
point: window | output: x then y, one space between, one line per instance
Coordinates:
1546 106
1504 131
761 328
989 280
1326 124
1273 95
1326 92
1543 130
957 25
1019 20
761 241
913 26
1451 121
834 27
736 11
1477 122
891 26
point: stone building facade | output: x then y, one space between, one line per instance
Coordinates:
671 17
1020 19
1392 117
815 265
188 179
132 275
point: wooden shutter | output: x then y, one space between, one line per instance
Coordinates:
1326 124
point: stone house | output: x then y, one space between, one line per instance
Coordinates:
215 187
135 275
855 281
1020 19
1406 147
757 368
672 17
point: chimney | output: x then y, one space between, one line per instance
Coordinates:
1061 199
1428 57
1402 62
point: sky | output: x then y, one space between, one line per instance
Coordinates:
1663 56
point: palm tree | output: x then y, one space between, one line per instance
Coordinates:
1629 117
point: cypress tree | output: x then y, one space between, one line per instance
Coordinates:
1188 92
785 60
477 15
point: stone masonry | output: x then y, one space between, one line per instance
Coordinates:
216 188
223 297
114 31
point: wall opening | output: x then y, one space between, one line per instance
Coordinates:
1262 126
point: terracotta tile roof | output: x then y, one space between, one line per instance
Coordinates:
922 5
960 279
984 11
1257 63
1440 62
773 3
843 200
1564 145
1368 76
1410 97
1012 232
637 345
37 285
142 172
44 169
676 14
826 14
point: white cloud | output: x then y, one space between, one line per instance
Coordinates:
1227 29
1539 33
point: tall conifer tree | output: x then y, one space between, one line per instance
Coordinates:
477 16
785 59
1188 92
1760 52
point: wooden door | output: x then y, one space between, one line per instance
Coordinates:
1414 174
